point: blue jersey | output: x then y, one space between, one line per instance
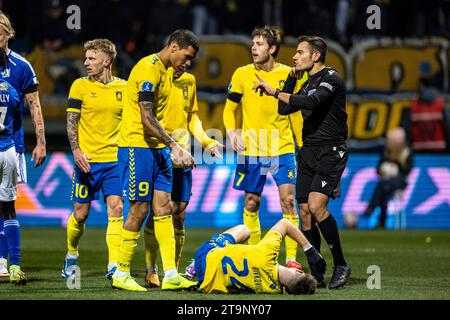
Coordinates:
20 74
9 103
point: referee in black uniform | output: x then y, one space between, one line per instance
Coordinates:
324 154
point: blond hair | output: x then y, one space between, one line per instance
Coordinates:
104 45
6 24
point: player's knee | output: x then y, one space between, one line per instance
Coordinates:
252 203
288 203
115 209
317 210
81 211
8 209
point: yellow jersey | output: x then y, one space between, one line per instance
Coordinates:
100 107
241 267
182 100
265 132
148 75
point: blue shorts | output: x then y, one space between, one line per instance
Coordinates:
104 176
252 175
218 240
182 184
143 170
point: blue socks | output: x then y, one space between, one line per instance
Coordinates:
3 243
12 234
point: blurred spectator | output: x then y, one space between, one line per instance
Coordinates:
430 119
393 168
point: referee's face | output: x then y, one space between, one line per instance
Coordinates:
303 58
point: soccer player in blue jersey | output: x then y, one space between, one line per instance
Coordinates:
9 103
20 74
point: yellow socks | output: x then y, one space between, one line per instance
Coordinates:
165 235
180 236
251 220
113 238
291 245
74 232
127 248
151 249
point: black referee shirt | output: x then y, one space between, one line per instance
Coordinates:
322 102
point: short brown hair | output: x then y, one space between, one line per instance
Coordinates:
6 24
272 35
317 44
104 45
305 284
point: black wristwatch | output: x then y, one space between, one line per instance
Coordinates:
277 92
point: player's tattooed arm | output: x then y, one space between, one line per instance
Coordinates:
149 120
39 152
72 129
36 116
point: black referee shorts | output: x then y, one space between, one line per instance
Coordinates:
319 170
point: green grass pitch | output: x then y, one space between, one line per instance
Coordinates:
414 265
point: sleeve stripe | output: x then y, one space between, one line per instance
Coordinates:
74 104
32 88
235 97
73 110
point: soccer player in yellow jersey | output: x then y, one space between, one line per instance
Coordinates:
225 265
145 154
267 140
180 119
94 115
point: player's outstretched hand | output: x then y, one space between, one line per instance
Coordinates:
316 262
39 154
215 149
81 160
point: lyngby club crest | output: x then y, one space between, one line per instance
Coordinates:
119 96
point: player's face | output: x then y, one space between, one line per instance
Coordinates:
260 50
4 38
181 59
304 58
95 62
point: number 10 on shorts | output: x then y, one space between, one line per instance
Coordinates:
81 191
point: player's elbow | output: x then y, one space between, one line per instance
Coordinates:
283 109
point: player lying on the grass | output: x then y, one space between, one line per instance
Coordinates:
225 265
180 119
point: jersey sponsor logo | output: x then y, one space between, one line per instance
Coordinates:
6 73
93 94
326 85
341 153
119 96
330 72
310 92
147 86
324 183
3 86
